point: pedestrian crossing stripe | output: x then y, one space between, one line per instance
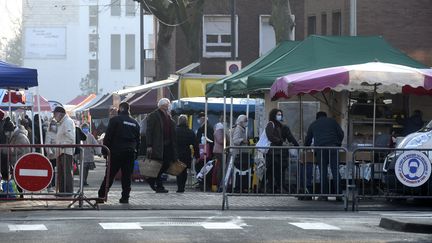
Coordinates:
223 225
205 225
26 227
315 226
120 226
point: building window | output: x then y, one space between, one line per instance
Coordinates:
267 35
115 7
336 23
324 24
130 8
130 52
311 25
217 36
93 15
115 52
93 42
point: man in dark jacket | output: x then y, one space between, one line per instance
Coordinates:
161 141
122 137
326 132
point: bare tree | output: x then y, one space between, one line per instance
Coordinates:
12 50
185 14
281 20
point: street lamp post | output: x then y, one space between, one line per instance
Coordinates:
233 31
142 51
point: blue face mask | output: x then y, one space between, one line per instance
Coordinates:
278 117
85 130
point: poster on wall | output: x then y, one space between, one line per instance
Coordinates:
45 43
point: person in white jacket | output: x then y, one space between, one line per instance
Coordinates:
66 136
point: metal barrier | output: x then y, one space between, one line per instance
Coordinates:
30 173
286 171
391 174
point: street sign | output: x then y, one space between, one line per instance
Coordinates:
33 172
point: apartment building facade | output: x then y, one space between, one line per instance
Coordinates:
95 41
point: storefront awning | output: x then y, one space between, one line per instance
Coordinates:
153 85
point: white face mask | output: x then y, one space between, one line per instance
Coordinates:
279 117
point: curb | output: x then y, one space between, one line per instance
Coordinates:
399 225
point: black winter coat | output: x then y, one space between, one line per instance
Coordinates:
154 136
185 138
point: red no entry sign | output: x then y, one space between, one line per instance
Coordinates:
33 172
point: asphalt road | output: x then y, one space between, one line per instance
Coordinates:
201 226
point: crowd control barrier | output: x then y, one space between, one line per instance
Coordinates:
391 174
31 172
304 172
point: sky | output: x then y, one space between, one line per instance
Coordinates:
10 11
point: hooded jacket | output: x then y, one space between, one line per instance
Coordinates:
19 136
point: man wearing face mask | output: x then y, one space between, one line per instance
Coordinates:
122 137
65 135
161 141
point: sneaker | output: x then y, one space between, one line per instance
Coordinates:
180 191
124 200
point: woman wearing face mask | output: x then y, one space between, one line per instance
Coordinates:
89 152
274 156
50 138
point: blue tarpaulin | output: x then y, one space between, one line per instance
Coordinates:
12 76
215 105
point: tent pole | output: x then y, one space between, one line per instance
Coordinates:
231 120
247 114
205 140
40 123
223 154
33 128
301 118
10 106
374 115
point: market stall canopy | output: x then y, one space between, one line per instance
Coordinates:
44 104
12 76
236 82
23 100
214 105
144 102
369 77
316 52
101 109
81 100
153 85
86 106
16 97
